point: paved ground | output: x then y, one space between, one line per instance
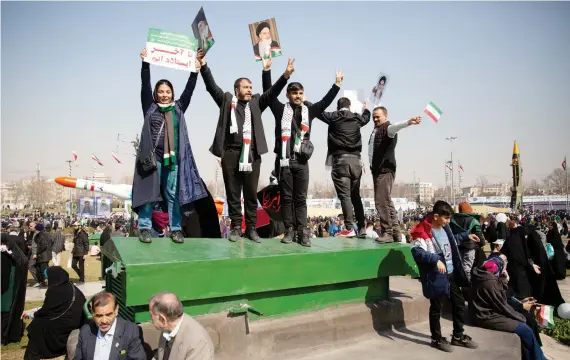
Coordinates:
88 289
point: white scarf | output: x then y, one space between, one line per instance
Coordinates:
245 157
286 123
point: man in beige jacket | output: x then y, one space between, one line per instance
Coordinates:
182 338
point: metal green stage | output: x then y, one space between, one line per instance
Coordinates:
94 238
273 279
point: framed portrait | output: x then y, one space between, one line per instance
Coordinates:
265 39
202 31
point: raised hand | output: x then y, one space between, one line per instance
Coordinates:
290 68
143 54
267 63
200 54
339 78
416 121
367 106
198 65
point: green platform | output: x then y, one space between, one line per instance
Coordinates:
94 238
215 275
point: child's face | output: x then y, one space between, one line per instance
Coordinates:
441 220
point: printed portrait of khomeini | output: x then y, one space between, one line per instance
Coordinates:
265 47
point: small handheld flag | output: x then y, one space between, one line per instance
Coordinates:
433 112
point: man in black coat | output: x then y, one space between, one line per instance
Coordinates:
293 147
240 142
344 146
108 336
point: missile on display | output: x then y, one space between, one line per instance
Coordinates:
517 188
122 191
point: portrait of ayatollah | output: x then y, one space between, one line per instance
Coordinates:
202 33
266 40
378 90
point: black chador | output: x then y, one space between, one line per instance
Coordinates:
240 142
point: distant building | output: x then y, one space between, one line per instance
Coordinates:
421 191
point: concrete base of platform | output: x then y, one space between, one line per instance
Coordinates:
391 329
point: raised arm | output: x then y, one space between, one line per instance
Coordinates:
271 94
394 128
184 100
215 91
322 105
146 88
327 117
365 117
266 83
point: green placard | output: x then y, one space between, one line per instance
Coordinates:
171 39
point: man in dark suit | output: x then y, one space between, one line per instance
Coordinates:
109 337
344 148
240 142
293 122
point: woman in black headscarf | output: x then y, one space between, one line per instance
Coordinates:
544 286
61 313
14 276
558 262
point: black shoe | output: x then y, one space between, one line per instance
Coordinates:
442 344
385 239
464 341
305 241
253 236
235 235
361 233
81 283
145 236
288 238
177 237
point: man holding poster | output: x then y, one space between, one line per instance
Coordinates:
240 142
201 30
172 50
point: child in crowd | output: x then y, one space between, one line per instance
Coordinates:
435 250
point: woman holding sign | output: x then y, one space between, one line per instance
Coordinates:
165 169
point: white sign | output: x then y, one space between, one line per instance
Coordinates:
172 50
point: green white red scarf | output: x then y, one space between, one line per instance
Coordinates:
245 158
286 124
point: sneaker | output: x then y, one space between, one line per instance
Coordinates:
361 233
385 239
145 236
253 236
442 344
464 341
177 237
346 233
288 238
235 235
305 241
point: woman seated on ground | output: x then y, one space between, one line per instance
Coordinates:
60 314
491 309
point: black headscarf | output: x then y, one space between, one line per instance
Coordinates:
558 263
12 325
61 313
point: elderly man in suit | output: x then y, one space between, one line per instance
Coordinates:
182 338
109 337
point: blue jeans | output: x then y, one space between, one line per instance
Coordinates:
529 345
169 188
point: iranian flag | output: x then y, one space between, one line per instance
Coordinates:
96 159
115 157
433 111
564 163
461 167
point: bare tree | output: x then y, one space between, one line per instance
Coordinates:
19 192
482 182
532 188
555 182
36 192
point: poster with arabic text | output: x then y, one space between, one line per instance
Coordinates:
171 50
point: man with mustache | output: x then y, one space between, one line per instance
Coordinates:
109 336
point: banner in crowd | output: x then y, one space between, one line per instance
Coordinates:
85 206
171 50
104 206
355 105
265 39
202 32
90 207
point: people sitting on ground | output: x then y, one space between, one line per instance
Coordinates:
95 250
491 309
60 314
108 336
182 338
435 250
